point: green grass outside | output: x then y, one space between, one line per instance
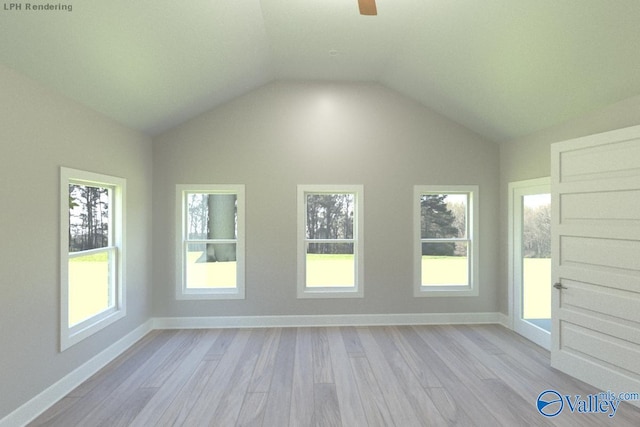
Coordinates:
88 290
330 270
99 257
536 288
210 275
444 270
88 286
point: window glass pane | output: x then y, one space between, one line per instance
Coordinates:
536 253
89 212
92 294
445 263
443 216
212 216
330 216
330 264
536 226
211 265
90 290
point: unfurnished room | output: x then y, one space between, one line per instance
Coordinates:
320 213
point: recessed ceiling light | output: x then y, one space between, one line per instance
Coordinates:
333 52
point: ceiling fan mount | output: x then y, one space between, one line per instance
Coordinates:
367 7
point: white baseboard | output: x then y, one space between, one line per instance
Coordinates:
505 320
36 406
325 320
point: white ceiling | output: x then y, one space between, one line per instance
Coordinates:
503 68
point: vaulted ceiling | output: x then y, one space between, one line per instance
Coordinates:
503 68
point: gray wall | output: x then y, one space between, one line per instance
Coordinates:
530 157
39 132
286 134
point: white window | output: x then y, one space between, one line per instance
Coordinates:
330 241
446 243
92 257
210 241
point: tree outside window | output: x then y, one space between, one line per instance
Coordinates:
92 208
445 255
210 241
330 240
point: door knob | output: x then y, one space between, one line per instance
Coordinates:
559 286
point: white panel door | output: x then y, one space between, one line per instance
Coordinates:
596 259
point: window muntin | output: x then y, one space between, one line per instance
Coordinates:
92 246
211 242
330 241
445 246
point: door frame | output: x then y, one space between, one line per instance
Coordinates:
517 189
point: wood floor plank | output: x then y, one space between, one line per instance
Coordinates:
480 340
302 382
459 354
482 375
426 375
322 369
529 359
231 401
412 390
202 411
523 349
451 407
180 408
252 410
220 345
352 341
263 372
423 371
348 397
472 405
400 409
523 382
490 395
371 397
152 413
188 339
278 407
127 411
326 410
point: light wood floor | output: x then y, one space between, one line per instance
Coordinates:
347 376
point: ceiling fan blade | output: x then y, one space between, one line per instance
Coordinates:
367 7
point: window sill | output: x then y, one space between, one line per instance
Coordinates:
445 291
329 293
209 294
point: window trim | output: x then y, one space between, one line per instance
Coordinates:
76 333
445 290
182 293
355 291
